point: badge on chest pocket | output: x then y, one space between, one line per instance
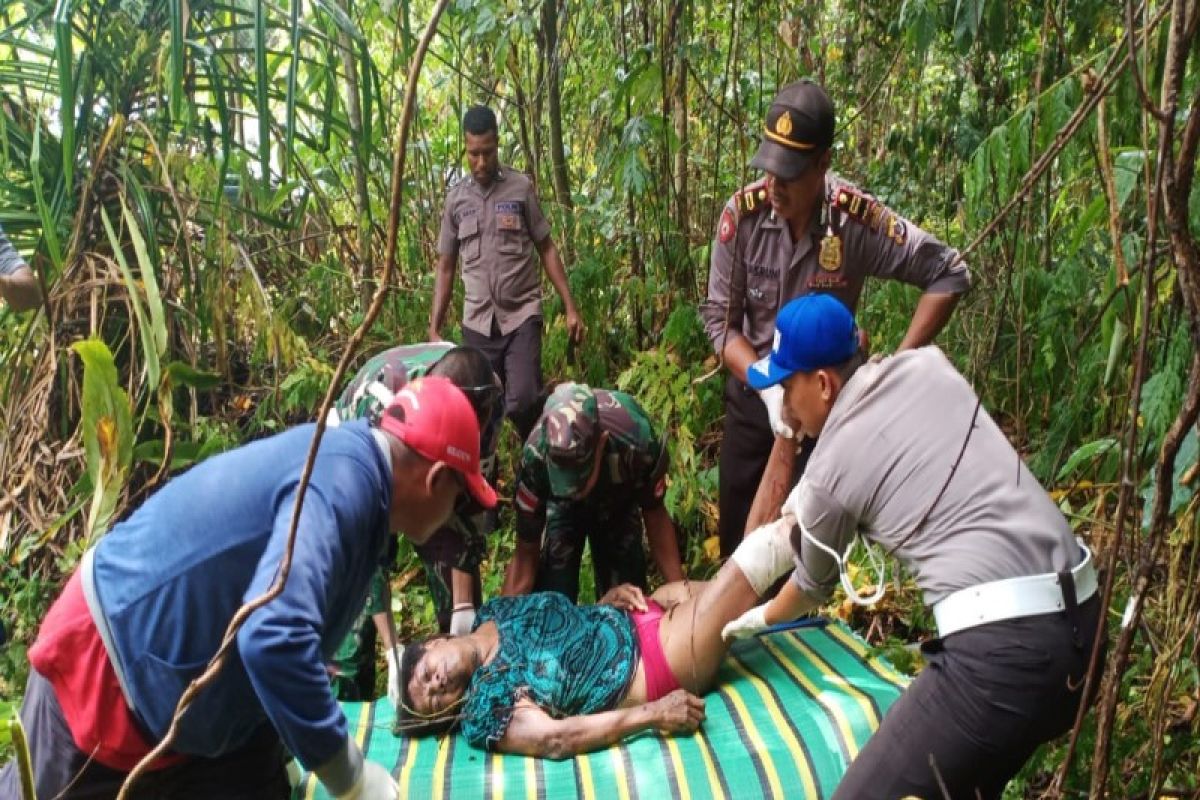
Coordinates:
509 214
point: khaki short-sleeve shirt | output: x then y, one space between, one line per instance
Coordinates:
494 230
875 241
887 448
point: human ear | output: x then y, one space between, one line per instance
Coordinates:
431 476
828 385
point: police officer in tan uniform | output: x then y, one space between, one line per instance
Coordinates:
910 460
493 221
801 229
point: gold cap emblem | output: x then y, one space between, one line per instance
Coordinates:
783 125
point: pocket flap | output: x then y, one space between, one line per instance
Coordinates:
468 226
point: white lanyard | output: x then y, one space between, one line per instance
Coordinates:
843 574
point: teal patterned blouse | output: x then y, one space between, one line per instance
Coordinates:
568 659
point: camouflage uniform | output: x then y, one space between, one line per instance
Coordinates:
556 463
460 544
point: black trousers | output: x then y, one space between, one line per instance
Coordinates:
255 771
517 359
987 698
746 443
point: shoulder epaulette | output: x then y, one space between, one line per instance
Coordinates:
868 211
751 198
852 202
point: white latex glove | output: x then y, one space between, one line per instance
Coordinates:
746 625
461 621
772 398
347 776
375 783
393 658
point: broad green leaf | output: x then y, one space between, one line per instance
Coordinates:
1161 396
66 85
1085 454
175 74
107 432
1186 461
919 25
154 302
45 211
1116 346
1127 173
145 334
967 16
180 373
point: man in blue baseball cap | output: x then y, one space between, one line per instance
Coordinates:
909 459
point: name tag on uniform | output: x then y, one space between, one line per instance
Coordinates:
508 215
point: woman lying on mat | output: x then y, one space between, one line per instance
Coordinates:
542 677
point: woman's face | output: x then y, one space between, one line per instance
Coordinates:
441 677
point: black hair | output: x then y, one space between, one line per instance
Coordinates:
408 721
479 120
469 369
847 368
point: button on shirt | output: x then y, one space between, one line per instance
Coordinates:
494 230
875 241
887 448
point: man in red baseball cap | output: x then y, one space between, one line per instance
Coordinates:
432 428
149 605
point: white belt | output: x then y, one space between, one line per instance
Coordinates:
1026 596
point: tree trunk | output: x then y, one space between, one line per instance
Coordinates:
558 157
679 114
362 194
524 121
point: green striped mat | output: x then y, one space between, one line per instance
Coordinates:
793 709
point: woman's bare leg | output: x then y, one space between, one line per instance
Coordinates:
691 631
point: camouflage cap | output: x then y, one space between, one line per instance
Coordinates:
570 425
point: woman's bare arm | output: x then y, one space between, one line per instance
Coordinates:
533 732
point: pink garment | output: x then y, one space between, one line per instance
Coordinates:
660 681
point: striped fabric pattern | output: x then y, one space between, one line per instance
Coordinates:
793 709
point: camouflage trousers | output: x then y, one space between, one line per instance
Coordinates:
614 531
442 554
352 670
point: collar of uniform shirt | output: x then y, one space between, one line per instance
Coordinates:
816 224
499 176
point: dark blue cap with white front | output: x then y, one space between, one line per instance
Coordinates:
812 331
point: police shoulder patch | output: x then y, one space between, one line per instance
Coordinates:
727 227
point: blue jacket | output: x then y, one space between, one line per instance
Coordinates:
169 578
